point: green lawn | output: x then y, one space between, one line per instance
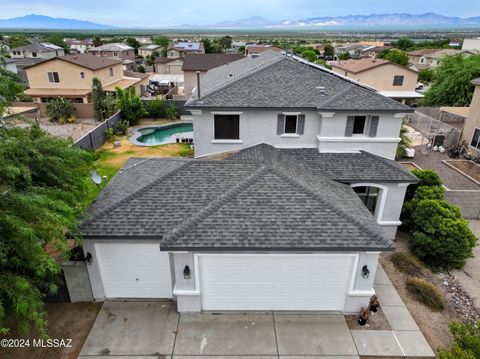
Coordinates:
111 159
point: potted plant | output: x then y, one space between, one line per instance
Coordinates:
374 303
363 317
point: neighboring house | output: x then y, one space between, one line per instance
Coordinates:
42 50
471 45
8 64
71 77
257 49
148 50
202 63
178 49
471 128
390 79
80 46
281 101
165 65
429 58
265 229
116 51
371 51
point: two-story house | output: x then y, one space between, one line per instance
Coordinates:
80 46
178 49
149 50
430 58
292 218
116 51
390 79
203 63
43 50
71 77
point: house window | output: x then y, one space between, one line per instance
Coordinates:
226 127
110 70
359 125
82 75
476 139
53 77
369 196
398 80
290 124
34 54
422 60
115 54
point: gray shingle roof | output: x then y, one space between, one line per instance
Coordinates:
343 167
38 47
271 80
276 204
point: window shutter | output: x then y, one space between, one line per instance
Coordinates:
300 124
280 124
349 128
372 132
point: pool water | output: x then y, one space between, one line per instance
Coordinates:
166 134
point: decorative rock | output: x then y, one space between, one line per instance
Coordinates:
117 144
461 301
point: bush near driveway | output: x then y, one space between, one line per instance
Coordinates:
407 264
441 238
426 293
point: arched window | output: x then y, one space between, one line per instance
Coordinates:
369 196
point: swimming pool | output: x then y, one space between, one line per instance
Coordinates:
158 135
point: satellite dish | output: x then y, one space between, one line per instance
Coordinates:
96 178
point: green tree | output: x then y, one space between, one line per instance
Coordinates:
395 56
133 42
328 51
17 40
130 105
466 341
163 41
211 47
171 111
10 88
97 41
155 107
344 56
225 42
57 39
452 85
404 44
98 98
309 55
404 143
426 75
42 186
140 68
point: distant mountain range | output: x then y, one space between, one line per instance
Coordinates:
33 21
351 21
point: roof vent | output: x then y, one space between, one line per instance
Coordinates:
230 74
321 90
254 56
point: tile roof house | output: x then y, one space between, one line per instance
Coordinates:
293 218
391 79
71 77
146 50
203 63
80 46
116 51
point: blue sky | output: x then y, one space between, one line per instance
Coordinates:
157 13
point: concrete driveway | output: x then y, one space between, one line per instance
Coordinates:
121 330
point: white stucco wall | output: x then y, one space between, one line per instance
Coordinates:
325 131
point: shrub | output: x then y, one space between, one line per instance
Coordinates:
122 127
427 178
407 264
466 343
426 293
171 111
448 246
109 134
155 107
427 214
130 105
422 193
60 110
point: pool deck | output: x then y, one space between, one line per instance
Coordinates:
136 132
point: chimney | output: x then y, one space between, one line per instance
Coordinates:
198 84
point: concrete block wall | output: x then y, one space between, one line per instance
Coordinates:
78 282
468 201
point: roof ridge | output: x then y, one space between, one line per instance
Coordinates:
101 213
179 230
365 227
248 73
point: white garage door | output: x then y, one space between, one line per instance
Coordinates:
275 282
134 270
